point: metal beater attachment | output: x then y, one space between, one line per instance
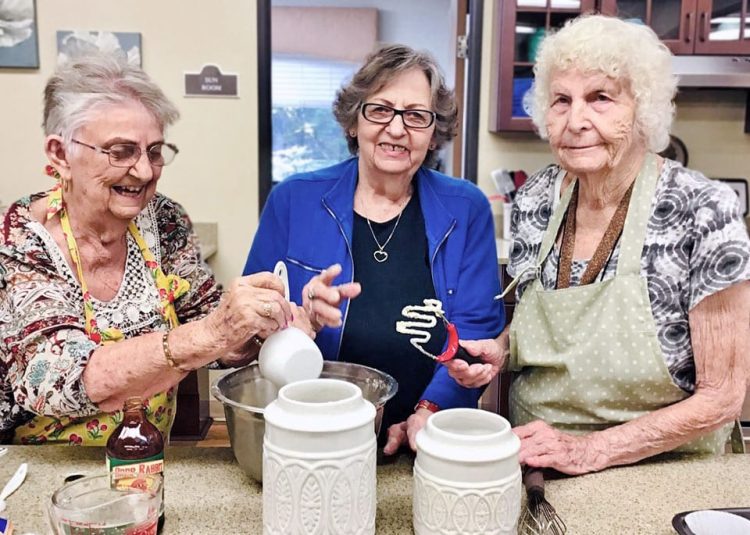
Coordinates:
422 319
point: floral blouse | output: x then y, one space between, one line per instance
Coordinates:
696 245
43 344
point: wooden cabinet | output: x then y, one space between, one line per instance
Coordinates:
691 26
519 27
703 27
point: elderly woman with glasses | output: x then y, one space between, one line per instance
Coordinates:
103 293
385 228
632 332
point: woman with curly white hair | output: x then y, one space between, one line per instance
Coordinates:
631 335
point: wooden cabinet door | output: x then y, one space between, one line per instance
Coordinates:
674 21
723 27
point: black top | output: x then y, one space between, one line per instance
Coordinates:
370 336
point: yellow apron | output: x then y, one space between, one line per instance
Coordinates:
95 430
588 357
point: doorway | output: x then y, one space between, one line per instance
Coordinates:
298 81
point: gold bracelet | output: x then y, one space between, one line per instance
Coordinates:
168 354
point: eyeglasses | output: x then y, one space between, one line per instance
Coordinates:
128 154
382 114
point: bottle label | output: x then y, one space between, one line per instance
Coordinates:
127 473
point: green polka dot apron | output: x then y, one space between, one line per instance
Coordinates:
160 408
587 357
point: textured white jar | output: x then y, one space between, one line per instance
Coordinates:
319 460
467 478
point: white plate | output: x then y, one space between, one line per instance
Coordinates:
717 523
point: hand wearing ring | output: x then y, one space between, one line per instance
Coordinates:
322 299
267 309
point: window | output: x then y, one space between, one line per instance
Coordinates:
306 135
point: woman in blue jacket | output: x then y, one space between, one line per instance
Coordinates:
391 232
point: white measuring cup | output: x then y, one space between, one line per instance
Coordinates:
289 355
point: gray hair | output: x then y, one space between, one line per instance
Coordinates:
624 51
380 67
81 85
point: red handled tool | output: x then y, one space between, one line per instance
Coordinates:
423 318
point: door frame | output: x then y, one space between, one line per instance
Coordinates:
265 131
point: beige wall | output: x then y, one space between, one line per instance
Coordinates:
709 122
215 174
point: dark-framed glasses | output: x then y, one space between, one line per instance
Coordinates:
382 114
128 154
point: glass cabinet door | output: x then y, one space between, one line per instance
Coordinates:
520 27
673 20
723 27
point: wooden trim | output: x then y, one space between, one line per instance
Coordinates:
685 42
608 7
504 20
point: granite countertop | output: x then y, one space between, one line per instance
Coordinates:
207 492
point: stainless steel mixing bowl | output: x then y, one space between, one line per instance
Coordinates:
245 395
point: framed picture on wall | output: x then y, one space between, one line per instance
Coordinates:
739 185
77 43
19 47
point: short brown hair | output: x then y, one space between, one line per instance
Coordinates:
381 66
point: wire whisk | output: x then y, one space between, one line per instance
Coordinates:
539 517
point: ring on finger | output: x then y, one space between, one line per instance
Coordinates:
267 309
310 293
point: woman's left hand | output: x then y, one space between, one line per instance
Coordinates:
543 446
406 432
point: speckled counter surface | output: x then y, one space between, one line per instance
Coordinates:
207 492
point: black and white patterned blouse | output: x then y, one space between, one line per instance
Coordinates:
696 245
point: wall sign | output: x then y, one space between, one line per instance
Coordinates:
210 82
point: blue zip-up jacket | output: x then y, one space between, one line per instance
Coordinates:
308 221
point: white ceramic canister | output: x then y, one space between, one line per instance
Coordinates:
467 478
319 460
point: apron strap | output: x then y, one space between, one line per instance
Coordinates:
639 212
549 237
555 222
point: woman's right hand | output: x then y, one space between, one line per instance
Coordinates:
492 356
322 299
253 305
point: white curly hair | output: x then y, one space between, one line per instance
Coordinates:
628 52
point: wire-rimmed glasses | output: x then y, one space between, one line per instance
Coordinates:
128 154
382 114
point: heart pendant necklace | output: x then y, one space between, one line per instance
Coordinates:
380 254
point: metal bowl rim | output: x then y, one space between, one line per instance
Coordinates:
392 390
